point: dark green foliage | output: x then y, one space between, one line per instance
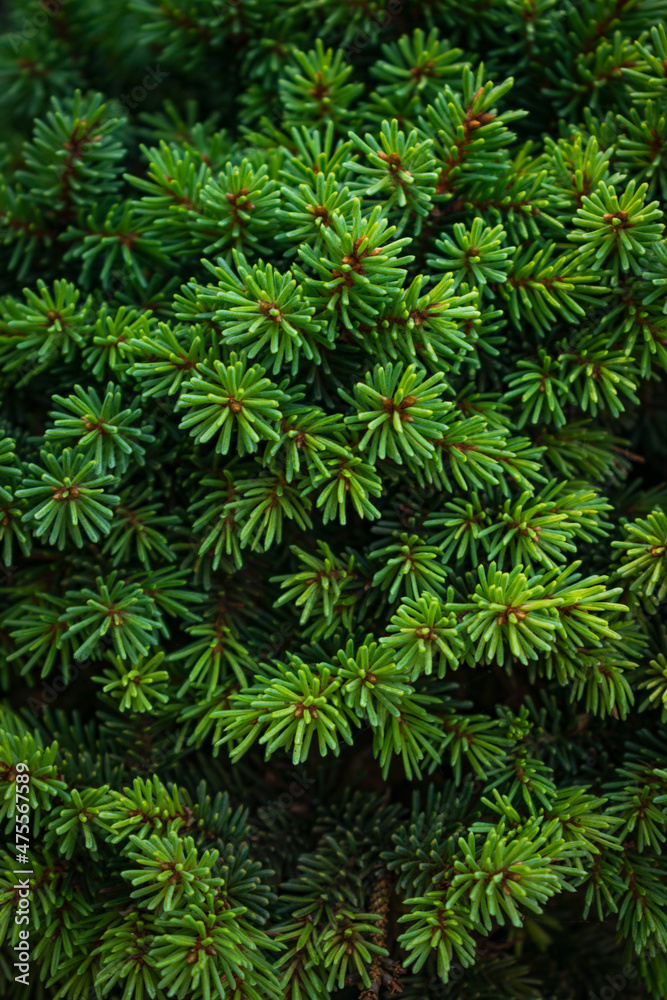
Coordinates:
333 516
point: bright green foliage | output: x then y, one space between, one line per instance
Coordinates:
69 495
400 169
425 635
476 257
73 157
173 353
262 310
265 502
115 609
511 611
189 876
538 386
333 515
644 555
138 685
620 229
414 68
46 327
358 268
410 567
100 429
224 398
314 88
290 708
395 409
319 586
